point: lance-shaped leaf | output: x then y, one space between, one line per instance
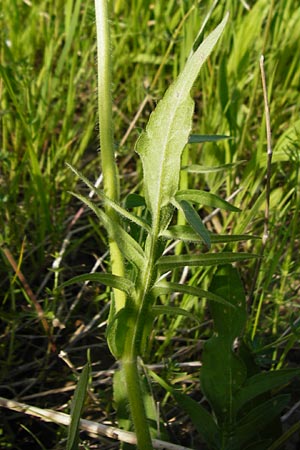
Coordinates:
76 409
209 259
161 145
108 279
259 417
204 198
194 220
202 419
128 246
199 138
197 168
187 234
173 311
263 382
164 287
121 211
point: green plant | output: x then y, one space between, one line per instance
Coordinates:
47 117
137 243
244 401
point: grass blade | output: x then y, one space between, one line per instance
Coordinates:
76 409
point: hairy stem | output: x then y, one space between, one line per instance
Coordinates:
111 189
137 407
109 166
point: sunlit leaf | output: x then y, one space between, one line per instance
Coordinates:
207 259
195 221
204 198
167 132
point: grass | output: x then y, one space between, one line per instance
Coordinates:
48 117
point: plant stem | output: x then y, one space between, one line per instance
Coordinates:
109 167
137 407
133 349
111 189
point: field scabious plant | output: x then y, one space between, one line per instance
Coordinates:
162 247
141 273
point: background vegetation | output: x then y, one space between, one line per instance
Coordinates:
48 116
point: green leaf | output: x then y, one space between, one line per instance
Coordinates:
121 211
208 259
164 287
202 420
107 279
167 132
223 372
76 409
194 220
187 234
229 323
117 328
257 419
263 382
204 198
199 138
197 168
173 311
132 251
134 201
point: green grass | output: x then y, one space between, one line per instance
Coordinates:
48 99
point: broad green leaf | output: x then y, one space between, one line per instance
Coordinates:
195 221
223 372
263 382
257 419
204 198
121 211
228 322
173 311
164 287
167 132
202 420
208 259
187 234
134 201
107 279
197 168
131 250
76 409
198 138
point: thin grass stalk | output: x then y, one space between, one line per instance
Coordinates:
110 171
268 189
256 78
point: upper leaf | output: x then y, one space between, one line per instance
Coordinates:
161 145
195 221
